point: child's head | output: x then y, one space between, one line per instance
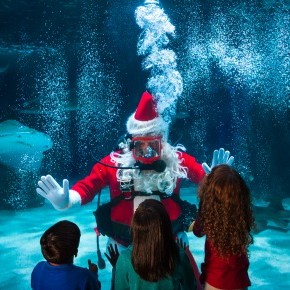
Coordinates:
150 218
224 185
59 244
225 209
154 251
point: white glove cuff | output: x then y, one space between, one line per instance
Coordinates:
74 200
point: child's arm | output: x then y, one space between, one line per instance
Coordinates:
93 268
113 254
190 229
113 257
197 228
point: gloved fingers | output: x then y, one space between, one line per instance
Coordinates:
219 157
43 186
52 182
226 157
46 183
214 158
41 192
231 161
206 168
65 186
221 154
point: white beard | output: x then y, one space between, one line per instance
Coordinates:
148 180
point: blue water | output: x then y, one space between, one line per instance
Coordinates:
20 249
72 72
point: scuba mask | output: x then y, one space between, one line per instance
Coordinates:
146 149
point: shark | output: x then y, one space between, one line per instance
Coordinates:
21 146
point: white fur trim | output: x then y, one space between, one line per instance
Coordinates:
151 2
153 127
74 199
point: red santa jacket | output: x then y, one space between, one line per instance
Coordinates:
102 176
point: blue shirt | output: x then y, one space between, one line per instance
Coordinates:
63 277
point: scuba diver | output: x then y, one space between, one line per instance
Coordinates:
145 167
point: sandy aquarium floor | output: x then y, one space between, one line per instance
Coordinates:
20 233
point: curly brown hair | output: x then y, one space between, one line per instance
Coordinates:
225 210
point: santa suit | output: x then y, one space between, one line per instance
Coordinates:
122 212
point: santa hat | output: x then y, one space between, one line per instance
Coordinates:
146 120
151 2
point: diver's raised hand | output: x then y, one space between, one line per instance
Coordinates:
51 190
219 157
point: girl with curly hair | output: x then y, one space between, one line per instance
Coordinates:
225 217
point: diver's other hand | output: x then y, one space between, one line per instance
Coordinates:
51 190
219 157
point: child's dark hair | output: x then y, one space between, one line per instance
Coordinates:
155 252
59 244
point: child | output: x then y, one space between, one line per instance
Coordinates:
225 217
59 246
154 261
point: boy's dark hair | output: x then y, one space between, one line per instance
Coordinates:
59 243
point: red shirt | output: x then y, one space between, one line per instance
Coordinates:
102 176
222 272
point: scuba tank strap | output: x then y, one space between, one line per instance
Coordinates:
101 261
105 225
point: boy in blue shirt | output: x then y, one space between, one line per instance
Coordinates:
59 246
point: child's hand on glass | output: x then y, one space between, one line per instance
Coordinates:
113 254
93 267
